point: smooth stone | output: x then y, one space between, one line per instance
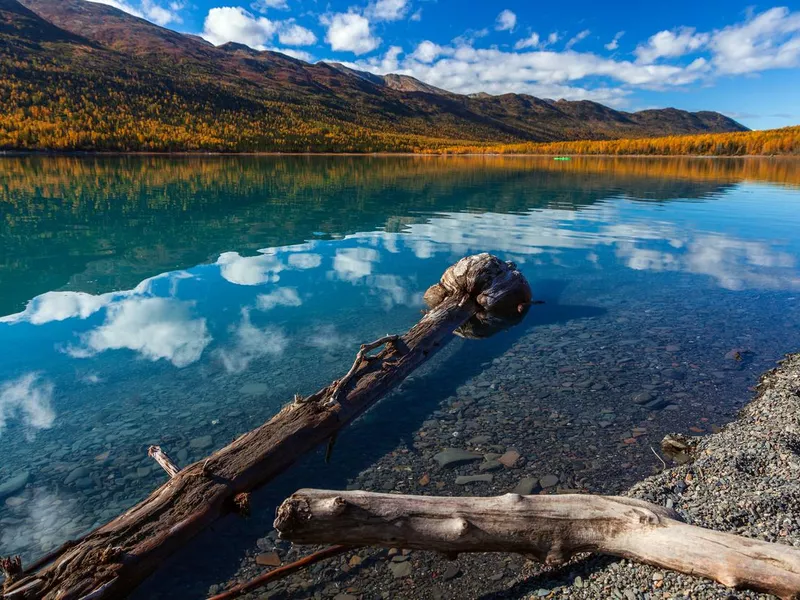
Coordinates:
14 484
479 439
399 570
254 389
76 474
84 483
525 486
143 472
490 465
452 457
548 481
643 398
268 559
15 501
467 479
657 404
344 597
202 442
451 572
509 459
183 455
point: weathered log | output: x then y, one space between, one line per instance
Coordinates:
550 528
115 558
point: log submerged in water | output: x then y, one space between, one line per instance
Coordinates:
551 528
112 560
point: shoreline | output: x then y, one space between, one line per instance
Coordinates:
97 154
743 479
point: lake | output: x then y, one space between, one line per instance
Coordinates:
182 301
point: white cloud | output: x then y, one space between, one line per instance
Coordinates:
506 21
304 260
349 32
148 9
59 306
417 16
387 10
29 399
264 5
532 41
578 37
670 44
553 38
614 44
249 270
251 343
280 297
156 328
769 40
427 52
234 24
351 264
292 34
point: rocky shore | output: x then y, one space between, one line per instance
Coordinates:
744 478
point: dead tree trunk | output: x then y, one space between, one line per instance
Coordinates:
114 559
551 528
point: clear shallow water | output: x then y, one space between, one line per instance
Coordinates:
183 301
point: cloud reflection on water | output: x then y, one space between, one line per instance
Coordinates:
29 399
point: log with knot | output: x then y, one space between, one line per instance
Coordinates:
549 528
477 293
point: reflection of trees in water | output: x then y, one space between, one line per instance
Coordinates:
117 220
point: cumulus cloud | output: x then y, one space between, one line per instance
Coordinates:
670 44
577 38
250 343
427 52
294 53
59 306
387 10
506 21
235 24
155 328
280 297
532 41
351 264
304 260
249 270
614 44
28 399
292 34
769 40
349 32
148 9
265 5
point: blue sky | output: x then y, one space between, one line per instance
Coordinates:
738 58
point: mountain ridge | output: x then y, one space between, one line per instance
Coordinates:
174 91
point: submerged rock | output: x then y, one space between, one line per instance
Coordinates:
467 479
14 484
452 457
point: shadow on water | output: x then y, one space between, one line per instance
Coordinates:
217 553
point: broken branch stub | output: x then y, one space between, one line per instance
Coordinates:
550 528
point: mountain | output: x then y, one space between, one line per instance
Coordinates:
77 75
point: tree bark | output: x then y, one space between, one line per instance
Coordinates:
551 528
112 560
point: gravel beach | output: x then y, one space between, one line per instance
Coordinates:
744 479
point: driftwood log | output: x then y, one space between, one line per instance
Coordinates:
112 560
550 528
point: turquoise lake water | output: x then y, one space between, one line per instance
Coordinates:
182 302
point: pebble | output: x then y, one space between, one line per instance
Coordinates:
453 457
268 559
467 479
451 572
76 474
490 465
548 481
254 389
509 459
202 442
526 486
400 570
14 484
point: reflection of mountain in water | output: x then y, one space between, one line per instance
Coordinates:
100 224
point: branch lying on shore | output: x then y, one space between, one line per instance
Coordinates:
551 528
112 560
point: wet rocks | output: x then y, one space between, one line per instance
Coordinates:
509 459
453 457
526 486
76 474
14 484
468 479
548 481
268 559
201 443
400 569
